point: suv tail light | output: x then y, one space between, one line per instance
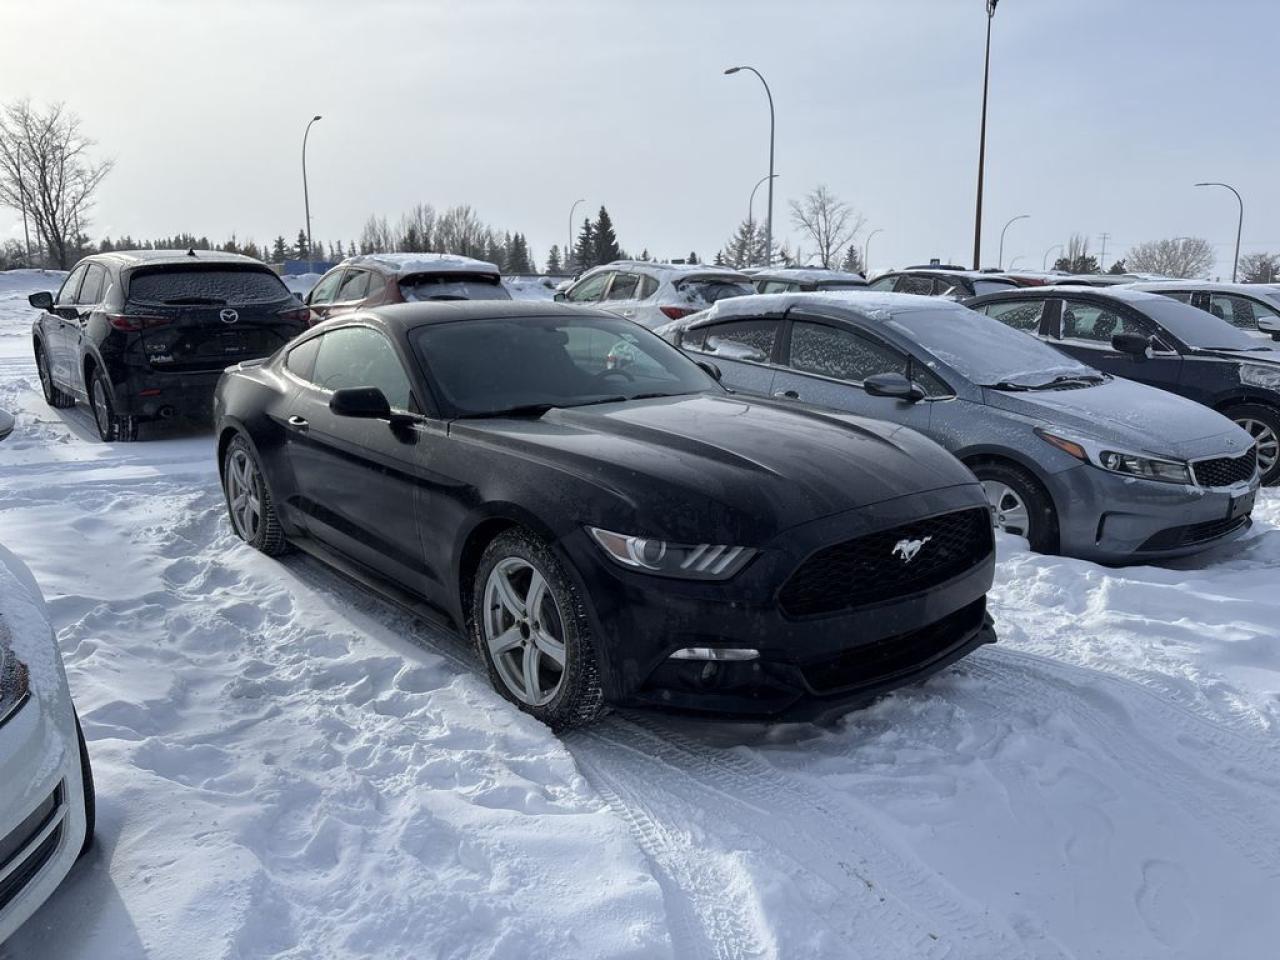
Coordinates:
675 313
300 314
132 323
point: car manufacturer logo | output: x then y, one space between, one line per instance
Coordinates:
906 550
228 316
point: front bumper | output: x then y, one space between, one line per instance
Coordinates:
1113 519
806 668
42 818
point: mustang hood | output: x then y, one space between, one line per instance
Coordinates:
759 466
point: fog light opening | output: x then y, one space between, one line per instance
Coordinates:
716 653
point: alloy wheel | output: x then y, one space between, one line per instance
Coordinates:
1266 439
244 493
101 408
42 370
1008 510
524 632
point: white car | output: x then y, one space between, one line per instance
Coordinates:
46 786
1253 307
652 294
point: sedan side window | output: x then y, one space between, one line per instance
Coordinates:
624 286
1088 321
70 286
301 360
648 287
749 340
361 357
911 283
324 290
1019 314
354 286
845 355
1238 311
589 290
884 283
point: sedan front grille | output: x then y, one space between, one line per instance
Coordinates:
1195 534
1226 471
888 564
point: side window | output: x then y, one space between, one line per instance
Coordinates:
361 357
324 290
648 287
884 283
67 295
1019 314
354 286
913 283
1088 321
749 340
1182 296
301 360
94 281
840 354
624 286
779 286
590 289
1238 311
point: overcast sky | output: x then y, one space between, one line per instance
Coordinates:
1103 115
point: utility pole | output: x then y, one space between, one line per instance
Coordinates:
1102 257
982 140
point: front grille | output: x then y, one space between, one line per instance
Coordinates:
12 845
885 658
881 566
1226 471
1196 533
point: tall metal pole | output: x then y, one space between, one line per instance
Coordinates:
306 197
568 251
866 251
768 225
1021 216
751 211
1235 264
1044 264
982 140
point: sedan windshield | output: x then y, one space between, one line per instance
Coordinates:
1196 328
986 352
527 365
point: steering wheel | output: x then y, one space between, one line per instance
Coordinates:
614 373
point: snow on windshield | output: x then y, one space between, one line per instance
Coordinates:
983 350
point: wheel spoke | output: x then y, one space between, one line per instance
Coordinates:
507 640
535 594
532 684
507 596
549 647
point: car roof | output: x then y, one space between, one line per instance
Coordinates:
1124 293
709 269
404 264
1207 285
408 316
808 275
154 257
948 272
863 303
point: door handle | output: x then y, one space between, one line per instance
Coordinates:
786 395
298 423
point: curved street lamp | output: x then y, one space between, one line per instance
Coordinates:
306 197
982 140
568 251
1235 264
751 206
1044 264
866 251
1021 216
768 224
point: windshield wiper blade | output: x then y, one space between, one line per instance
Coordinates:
1007 385
534 410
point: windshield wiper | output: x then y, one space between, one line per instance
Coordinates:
1007 385
534 410
621 399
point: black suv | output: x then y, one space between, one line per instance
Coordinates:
145 334
1158 341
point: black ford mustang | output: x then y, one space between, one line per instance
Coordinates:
608 535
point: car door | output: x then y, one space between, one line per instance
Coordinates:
356 479
1085 329
744 349
88 300
322 294
825 362
59 323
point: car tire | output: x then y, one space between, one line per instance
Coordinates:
55 397
112 427
90 794
1019 504
518 642
249 505
1263 424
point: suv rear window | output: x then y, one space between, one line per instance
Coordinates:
453 286
708 290
206 285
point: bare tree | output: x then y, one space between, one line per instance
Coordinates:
1076 257
46 172
1181 257
1260 268
460 231
828 221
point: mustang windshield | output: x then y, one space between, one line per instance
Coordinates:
527 365
987 352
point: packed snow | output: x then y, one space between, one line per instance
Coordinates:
287 767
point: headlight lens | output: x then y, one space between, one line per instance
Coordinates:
1260 375
14 683
700 561
1116 461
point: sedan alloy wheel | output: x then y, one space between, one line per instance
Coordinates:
524 631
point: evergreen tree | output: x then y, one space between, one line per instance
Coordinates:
279 251
300 249
606 241
645 255
852 259
1117 268
584 256
693 257
553 260
719 258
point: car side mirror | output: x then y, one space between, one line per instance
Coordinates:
299 297
1270 325
712 370
1134 344
42 300
366 403
559 297
892 385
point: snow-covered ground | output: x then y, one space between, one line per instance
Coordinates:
288 767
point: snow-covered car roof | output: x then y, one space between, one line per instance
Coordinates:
1254 289
175 256
873 304
682 269
1116 291
809 275
405 264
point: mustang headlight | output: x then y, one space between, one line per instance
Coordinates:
1119 461
1260 375
700 561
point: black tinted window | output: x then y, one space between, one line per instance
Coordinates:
361 357
301 360
453 286
910 283
1019 314
704 291
1087 321
741 339
214 285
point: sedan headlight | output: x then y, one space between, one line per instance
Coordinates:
1260 375
15 683
700 561
1120 461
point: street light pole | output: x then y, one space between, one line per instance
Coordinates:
866 251
568 251
1235 264
768 225
1021 216
1044 264
306 197
751 211
982 140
